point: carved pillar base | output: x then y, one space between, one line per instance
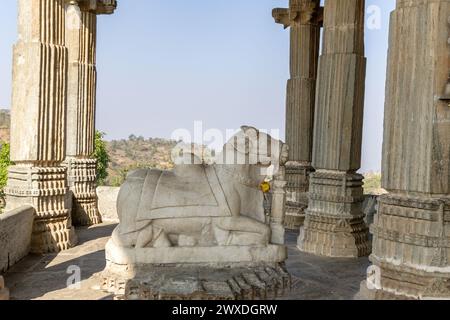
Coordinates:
45 189
297 175
81 176
334 224
411 249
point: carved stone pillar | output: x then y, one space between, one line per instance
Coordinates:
278 214
411 246
304 17
4 292
334 224
38 118
81 39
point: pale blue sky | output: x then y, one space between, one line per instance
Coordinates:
163 64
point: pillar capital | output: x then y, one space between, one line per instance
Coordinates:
95 6
300 12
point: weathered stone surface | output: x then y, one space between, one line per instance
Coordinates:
107 203
200 205
38 119
202 216
339 230
304 17
97 6
15 235
334 224
412 228
4 292
81 177
44 188
81 40
195 255
197 283
370 207
278 208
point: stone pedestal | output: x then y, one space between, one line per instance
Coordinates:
81 40
411 245
190 273
304 17
4 292
334 224
38 120
173 282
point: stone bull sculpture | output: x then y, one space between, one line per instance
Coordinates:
199 204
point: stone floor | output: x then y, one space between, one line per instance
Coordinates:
46 277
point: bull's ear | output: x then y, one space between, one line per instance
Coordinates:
248 130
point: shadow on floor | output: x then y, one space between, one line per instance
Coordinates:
322 278
37 275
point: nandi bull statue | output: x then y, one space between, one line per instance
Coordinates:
202 213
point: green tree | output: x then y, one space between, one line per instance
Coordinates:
5 162
102 156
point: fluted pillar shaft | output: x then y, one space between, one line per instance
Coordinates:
81 39
304 17
334 224
38 120
411 245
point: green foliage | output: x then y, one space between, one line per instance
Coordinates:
119 179
372 183
102 156
5 162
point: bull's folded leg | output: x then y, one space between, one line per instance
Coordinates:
123 240
244 228
161 240
145 238
152 237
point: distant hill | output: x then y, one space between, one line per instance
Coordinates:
5 124
137 152
372 183
125 154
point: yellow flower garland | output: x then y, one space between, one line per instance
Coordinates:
265 187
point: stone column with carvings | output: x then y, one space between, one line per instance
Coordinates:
81 40
278 207
4 292
334 224
304 17
38 120
411 246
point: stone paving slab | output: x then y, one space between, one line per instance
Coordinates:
45 277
